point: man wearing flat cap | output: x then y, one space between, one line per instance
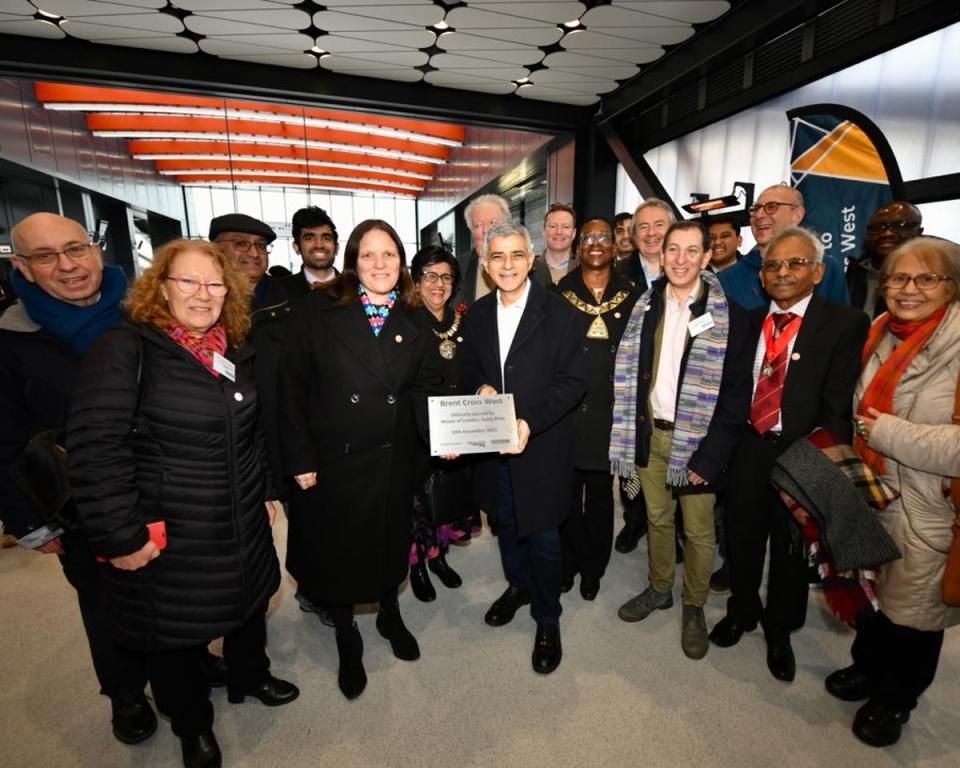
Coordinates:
247 242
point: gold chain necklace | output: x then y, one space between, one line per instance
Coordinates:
448 347
598 328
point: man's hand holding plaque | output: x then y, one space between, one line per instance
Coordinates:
480 423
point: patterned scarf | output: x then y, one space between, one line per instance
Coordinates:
201 347
377 314
879 393
698 390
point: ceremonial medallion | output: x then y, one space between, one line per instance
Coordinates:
447 349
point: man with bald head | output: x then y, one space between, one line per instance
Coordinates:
777 208
66 299
890 225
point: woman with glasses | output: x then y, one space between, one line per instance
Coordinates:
443 509
354 378
903 403
170 478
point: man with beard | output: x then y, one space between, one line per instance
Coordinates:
315 241
889 226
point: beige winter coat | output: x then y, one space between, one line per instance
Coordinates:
922 450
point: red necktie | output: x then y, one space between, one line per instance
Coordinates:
765 410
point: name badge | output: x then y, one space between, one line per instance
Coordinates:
224 367
700 324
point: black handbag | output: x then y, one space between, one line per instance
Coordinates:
446 495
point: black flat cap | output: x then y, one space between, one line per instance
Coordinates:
240 222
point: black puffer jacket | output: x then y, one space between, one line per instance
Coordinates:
190 454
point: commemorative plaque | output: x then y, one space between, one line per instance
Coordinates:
471 424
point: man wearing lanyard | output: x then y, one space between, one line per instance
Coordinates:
805 367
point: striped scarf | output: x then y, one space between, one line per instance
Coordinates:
203 346
698 390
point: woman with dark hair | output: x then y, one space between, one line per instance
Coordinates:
355 371
904 403
169 474
443 508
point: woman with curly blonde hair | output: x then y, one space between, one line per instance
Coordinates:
169 474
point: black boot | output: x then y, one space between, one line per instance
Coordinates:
133 717
420 583
449 577
352 677
201 751
390 625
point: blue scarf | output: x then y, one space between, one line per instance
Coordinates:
74 326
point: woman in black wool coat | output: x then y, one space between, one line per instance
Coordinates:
164 431
355 370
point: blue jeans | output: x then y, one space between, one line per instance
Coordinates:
531 562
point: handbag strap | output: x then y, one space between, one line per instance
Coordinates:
955 482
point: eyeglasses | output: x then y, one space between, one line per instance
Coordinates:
432 277
769 208
896 226
76 252
926 281
794 265
591 239
246 245
190 287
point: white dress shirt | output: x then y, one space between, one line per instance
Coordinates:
676 317
800 308
508 320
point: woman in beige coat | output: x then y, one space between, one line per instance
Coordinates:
904 405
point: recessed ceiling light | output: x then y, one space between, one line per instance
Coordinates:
441 25
522 81
572 24
49 15
317 50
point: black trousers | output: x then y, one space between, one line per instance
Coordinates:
342 614
587 535
119 670
900 661
634 510
754 513
180 687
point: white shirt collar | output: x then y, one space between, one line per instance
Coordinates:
800 308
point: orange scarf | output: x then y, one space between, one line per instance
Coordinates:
879 393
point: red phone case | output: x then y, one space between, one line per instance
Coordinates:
156 532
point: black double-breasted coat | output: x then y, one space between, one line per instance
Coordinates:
544 372
348 401
594 414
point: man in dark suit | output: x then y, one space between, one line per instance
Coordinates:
315 241
525 340
805 368
889 226
481 213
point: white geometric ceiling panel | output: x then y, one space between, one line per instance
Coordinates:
692 11
425 15
459 41
465 82
542 93
552 11
170 43
571 50
590 65
295 60
522 57
18 25
100 29
247 22
239 45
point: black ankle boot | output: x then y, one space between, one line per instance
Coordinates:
201 751
420 583
352 677
390 626
449 577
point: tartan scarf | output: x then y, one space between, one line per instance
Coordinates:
879 393
201 347
698 390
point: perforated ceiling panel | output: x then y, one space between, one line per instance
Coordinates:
554 50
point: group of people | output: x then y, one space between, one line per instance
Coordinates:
209 397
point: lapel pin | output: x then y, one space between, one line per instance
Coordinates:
616 315
398 338
795 356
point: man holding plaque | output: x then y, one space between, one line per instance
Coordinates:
523 340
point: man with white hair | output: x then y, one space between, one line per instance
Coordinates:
481 213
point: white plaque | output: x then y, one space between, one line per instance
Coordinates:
472 424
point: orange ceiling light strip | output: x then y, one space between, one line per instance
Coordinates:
118 125
171 167
65 93
148 148
299 180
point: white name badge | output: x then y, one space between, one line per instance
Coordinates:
224 367
700 324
